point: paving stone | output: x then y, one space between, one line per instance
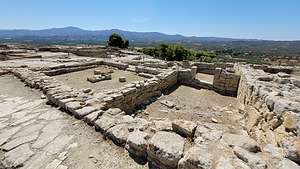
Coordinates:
24 119
18 141
39 160
51 115
5 135
30 129
49 132
62 167
58 144
18 156
54 164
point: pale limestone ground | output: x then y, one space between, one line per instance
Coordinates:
79 79
35 135
205 77
195 105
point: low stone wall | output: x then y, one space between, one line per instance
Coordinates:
209 68
136 93
274 69
152 64
118 65
143 69
226 82
167 144
67 70
272 108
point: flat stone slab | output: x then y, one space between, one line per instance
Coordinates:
20 140
18 156
4 136
49 132
165 149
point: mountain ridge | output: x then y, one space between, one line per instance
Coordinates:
75 33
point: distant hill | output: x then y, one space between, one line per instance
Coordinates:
74 33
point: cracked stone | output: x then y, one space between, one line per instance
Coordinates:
18 156
18 141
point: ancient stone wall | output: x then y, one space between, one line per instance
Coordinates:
272 109
136 93
274 69
148 70
226 82
178 143
118 65
209 68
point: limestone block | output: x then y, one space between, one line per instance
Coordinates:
241 141
165 149
184 128
137 143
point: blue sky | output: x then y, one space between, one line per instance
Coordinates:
262 19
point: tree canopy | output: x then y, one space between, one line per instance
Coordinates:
116 40
178 53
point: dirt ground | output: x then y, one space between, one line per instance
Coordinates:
58 134
79 79
194 105
205 77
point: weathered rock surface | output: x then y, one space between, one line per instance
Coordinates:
18 156
288 164
137 143
196 158
184 128
91 118
242 141
165 149
104 123
251 159
118 134
293 149
18 141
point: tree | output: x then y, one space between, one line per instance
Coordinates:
126 43
116 40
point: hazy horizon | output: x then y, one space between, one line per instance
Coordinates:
245 19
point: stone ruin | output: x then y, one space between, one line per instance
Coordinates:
269 103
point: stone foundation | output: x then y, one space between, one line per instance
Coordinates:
226 82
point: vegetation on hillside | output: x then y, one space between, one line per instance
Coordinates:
116 40
177 52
